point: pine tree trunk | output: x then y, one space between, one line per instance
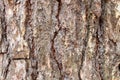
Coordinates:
59 40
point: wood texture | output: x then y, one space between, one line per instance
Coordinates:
59 40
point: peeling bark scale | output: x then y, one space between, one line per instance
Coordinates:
59 39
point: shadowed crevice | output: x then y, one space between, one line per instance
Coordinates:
32 63
85 43
53 54
5 73
100 39
4 40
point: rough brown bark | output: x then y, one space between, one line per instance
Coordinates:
59 40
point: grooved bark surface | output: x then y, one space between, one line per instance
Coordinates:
59 40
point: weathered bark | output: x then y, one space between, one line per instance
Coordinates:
59 40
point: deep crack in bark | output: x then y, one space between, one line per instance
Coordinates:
58 13
4 24
5 41
31 43
4 29
88 19
34 62
53 54
20 59
7 69
100 39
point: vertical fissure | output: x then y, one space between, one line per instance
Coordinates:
4 24
53 50
4 30
34 62
100 40
31 43
53 55
58 13
6 58
88 22
5 73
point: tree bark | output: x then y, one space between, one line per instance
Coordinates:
59 40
